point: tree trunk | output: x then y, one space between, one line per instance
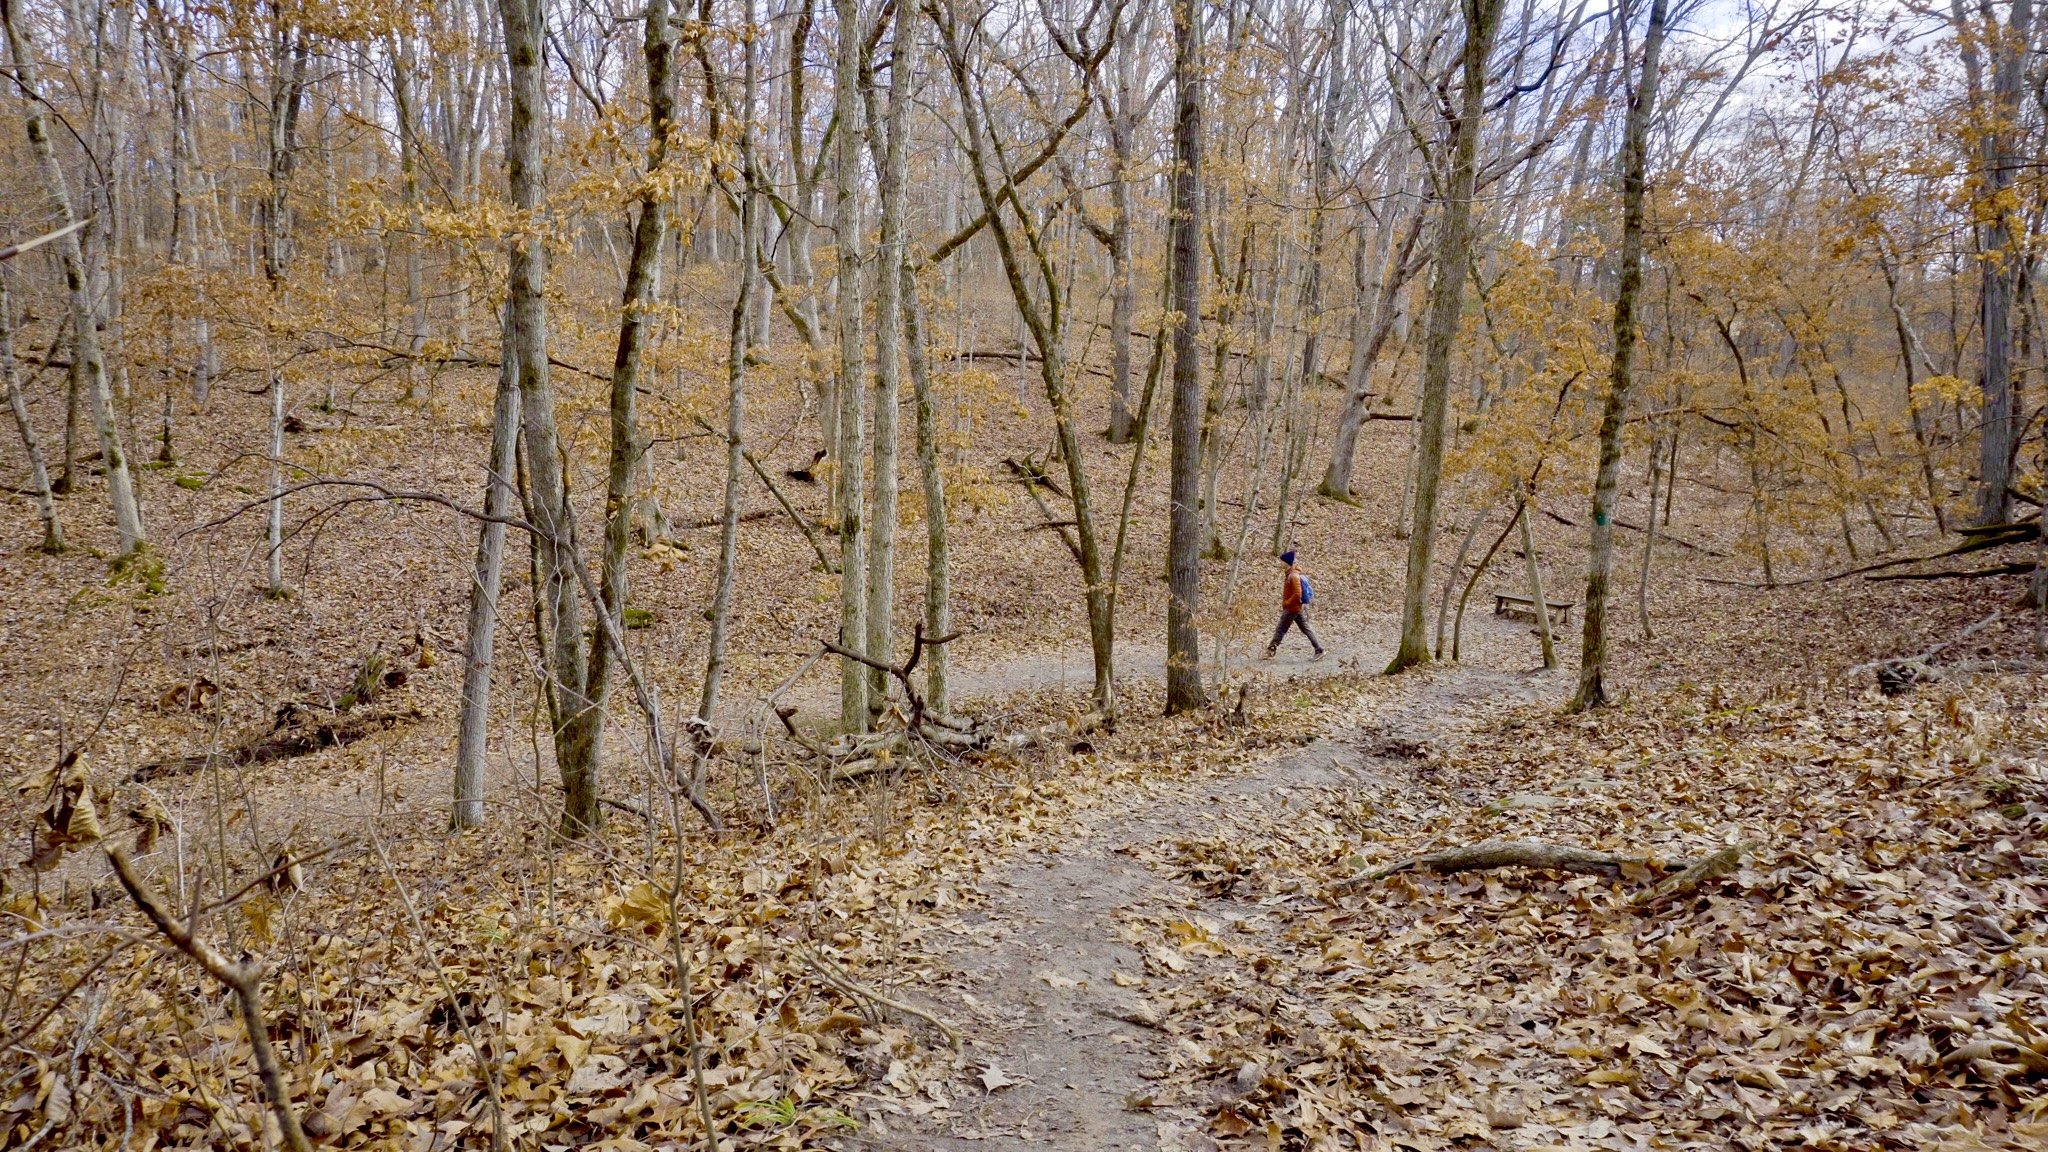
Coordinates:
1446 308
846 223
38 473
798 227
273 554
1650 538
471 742
1592 690
1443 605
287 92
938 573
1184 689
1996 138
1379 272
1045 324
894 167
89 368
1123 279
409 196
1310 318
560 611
739 345
1541 605
642 290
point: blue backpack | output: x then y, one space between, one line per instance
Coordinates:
1308 593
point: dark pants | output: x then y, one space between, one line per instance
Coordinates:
1293 620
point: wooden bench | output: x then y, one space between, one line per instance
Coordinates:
1524 607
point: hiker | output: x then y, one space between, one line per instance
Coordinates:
1295 596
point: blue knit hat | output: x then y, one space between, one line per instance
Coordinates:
1287 557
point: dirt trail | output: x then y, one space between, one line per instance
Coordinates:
1353 645
1047 977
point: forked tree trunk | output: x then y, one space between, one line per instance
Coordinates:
1592 690
89 368
1446 308
1184 689
471 742
1443 606
1045 324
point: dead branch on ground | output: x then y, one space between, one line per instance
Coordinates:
1513 854
1897 674
1709 867
244 979
837 978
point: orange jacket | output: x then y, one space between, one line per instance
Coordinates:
1290 590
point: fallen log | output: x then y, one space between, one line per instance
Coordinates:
719 521
1064 731
1513 854
283 743
1923 658
2015 568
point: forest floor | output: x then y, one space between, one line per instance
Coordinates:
1157 915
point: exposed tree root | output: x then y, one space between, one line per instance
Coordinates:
1710 867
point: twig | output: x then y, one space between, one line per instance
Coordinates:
484 1064
838 979
244 979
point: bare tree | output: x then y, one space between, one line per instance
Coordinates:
1446 309
576 718
472 743
1184 524
739 346
38 473
1592 690
88 365
852 426
1035 284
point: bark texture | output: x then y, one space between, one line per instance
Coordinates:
1446 307
1592 690
1184 525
